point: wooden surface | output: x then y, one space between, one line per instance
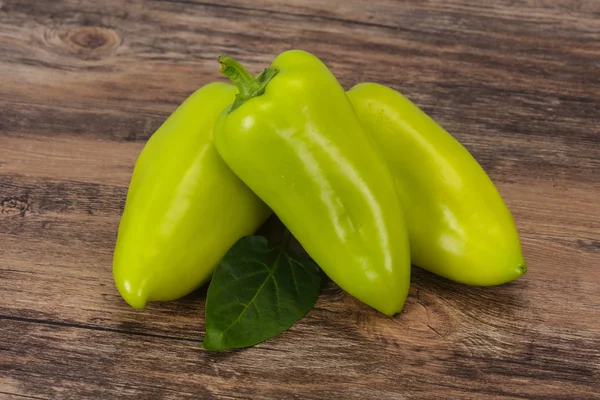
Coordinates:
84 83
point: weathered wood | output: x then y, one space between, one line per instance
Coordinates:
85 83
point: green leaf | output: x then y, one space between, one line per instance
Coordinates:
257 291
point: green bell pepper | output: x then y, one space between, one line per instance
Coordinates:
293 138
184 209
459 226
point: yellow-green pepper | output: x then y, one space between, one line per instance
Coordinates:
184 209
293 138
459 226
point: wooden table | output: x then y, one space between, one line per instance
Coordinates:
84 83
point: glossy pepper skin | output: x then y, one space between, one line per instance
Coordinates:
459 226
184 209
294 139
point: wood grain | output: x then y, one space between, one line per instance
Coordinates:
85 83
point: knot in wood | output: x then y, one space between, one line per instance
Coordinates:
89 38
91 42
10 206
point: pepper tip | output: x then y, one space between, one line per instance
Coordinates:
523 268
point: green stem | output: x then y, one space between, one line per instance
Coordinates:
239 75
247 85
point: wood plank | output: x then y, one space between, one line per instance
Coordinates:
99 363
68 158
130 102
505 152
74 265
204 31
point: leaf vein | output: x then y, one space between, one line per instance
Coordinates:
276 264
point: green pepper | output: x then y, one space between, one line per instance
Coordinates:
459 226
293 138
184 209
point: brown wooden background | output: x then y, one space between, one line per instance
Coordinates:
84 83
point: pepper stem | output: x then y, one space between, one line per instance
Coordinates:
238 74
247 85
